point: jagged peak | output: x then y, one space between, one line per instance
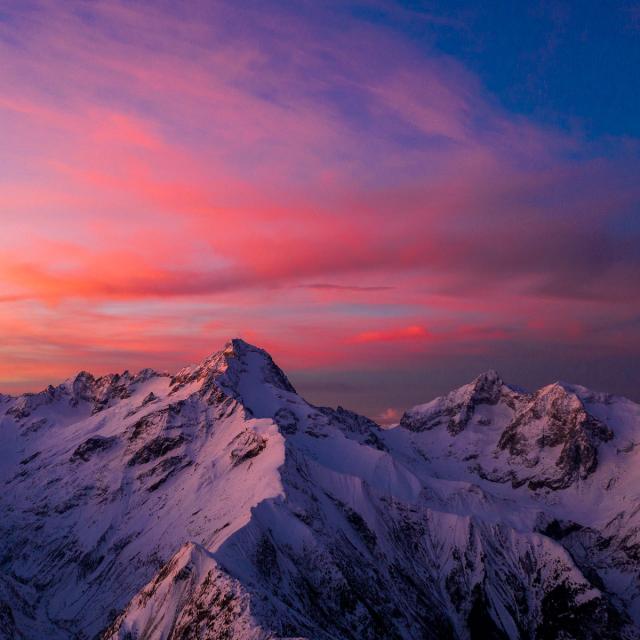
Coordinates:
491 376
485 388
240 370
456 409
239 346
562 388
233 349
247 361
557 393
84 375
558 386
148 373
85 380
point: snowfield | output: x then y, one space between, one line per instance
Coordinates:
217 503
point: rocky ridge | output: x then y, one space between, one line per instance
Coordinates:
218 503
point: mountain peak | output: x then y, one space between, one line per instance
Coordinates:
220 503
486 388
236 348
239 346
491 376
554 425
240 370
457 408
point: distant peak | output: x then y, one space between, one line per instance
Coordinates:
457 408
82 386
84 375
489 377
485 388
557 388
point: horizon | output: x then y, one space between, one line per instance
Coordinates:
386 417
388 197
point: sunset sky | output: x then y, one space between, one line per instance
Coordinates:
389 197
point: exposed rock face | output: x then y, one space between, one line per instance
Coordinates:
84 391
91 447
226 370
457 408
218 503
190 598
154 449
546 439
555 417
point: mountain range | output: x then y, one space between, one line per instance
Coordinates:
217 503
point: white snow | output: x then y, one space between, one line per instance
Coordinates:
201 480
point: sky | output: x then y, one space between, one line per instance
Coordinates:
390 197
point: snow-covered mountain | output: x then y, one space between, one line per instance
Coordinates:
218 503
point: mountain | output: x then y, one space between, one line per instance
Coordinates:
217 503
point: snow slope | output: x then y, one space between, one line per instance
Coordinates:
218 503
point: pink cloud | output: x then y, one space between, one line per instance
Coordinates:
412 332
389 416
